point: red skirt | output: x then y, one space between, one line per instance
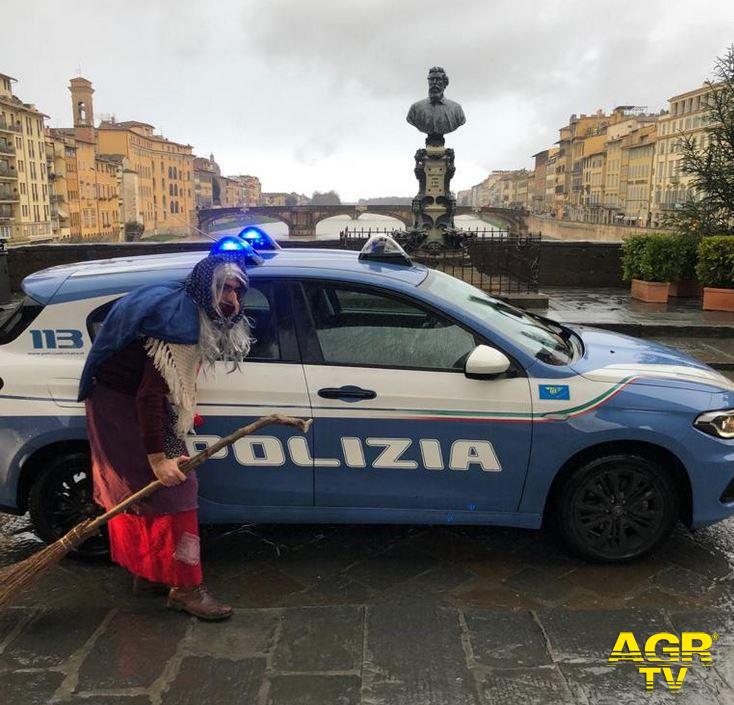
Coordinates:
163 548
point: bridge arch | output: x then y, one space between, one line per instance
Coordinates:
322 213
404 215
208 217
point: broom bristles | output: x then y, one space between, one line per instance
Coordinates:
18 576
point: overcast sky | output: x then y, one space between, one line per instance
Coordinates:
312 94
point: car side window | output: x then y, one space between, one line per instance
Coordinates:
357 326
259 308
96 318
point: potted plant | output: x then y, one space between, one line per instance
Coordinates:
715 270
648 265
684 252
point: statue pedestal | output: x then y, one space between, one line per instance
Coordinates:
433 207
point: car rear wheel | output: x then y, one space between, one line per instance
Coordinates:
617 508
61 497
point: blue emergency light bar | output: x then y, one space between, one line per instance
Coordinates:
259 239
383 248
232 243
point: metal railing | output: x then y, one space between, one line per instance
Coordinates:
495 261
7 148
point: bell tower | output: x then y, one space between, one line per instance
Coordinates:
81 99
82 109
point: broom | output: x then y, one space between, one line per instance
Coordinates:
17 577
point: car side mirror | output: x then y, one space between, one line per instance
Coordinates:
485 362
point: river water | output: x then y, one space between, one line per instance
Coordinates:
330 228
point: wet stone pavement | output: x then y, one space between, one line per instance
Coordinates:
373 615
613 307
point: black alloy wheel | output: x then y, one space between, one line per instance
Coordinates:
617 508
61 497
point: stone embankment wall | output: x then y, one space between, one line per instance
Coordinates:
594 232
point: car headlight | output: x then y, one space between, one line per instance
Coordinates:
717 423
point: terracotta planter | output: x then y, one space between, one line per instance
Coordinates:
650 292
718 299
688 288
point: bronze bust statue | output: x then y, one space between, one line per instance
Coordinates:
436 115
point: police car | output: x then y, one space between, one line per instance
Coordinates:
433 403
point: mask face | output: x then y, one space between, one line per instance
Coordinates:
229 287
218 285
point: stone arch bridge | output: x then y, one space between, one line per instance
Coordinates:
302 220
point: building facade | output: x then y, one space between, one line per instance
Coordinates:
163 183
537 199
592 177
206 172
686 116
511 189
233 193
25 207
638 151
273 199
58 150
158 171
253 189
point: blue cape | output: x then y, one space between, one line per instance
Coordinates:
163 311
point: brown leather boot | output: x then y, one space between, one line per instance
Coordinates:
199 602
142 586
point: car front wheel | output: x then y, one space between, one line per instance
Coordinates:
617 508
61 497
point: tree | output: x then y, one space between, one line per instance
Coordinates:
329 198
133 231
710 163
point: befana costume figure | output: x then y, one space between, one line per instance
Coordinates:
139 389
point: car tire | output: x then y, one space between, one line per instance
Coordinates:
617 508
61 497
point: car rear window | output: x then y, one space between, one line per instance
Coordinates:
19 319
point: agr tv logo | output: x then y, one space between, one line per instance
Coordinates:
664 648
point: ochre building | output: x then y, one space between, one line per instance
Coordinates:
25 208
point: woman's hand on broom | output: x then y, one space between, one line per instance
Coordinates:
167 469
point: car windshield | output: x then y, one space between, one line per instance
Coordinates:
545 340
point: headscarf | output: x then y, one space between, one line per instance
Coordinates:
200 286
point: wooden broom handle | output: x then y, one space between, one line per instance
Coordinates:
188 465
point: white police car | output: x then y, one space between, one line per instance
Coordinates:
432 403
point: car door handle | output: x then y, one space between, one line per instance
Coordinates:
347 392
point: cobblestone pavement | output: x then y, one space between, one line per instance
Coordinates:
373 615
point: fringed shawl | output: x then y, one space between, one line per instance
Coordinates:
179 367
